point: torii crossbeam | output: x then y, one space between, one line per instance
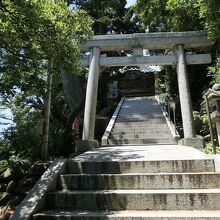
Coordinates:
178 41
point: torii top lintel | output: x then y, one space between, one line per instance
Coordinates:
159 40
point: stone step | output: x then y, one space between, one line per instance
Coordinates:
140 125
147 121
140 120
180 199
138 128
140 109
139 181
154 128
129 215
141 141
119 167
141 131
140 136
139 117
147 109
149 113
154 114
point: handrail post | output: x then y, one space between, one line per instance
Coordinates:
168 103
210 125
174 116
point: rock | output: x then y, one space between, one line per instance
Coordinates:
5 214
15 201
216 87
38 169
3 187
11 187
5 217
5 198
24 185
14 172
24 164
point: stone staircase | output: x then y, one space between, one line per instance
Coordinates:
133 182
135 189
140 121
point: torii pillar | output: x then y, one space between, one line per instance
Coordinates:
135 42
185 100
184 93
88 142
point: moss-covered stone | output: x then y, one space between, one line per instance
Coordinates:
5 198
14 172
11 187
3 187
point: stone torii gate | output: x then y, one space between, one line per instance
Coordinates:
179 41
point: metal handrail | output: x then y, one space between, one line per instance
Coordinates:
167 104
210 123
205 105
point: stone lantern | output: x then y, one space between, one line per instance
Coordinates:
213 97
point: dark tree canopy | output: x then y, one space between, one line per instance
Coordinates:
109 16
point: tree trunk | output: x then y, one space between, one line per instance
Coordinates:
73 89
44 150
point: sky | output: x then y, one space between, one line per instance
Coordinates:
130 2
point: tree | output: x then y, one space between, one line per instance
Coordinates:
210 12
184 15
35 33
110 17
169 15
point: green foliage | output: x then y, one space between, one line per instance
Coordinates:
184 15
3 165
204 131
7 153
209 149
166 80
33 32
152 14
210 12
22 138
26 116
168 15
110 16
215 72
5 150
205 125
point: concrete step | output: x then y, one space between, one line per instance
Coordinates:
119 167
139 181
180 199
140 136
129 215
141 141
